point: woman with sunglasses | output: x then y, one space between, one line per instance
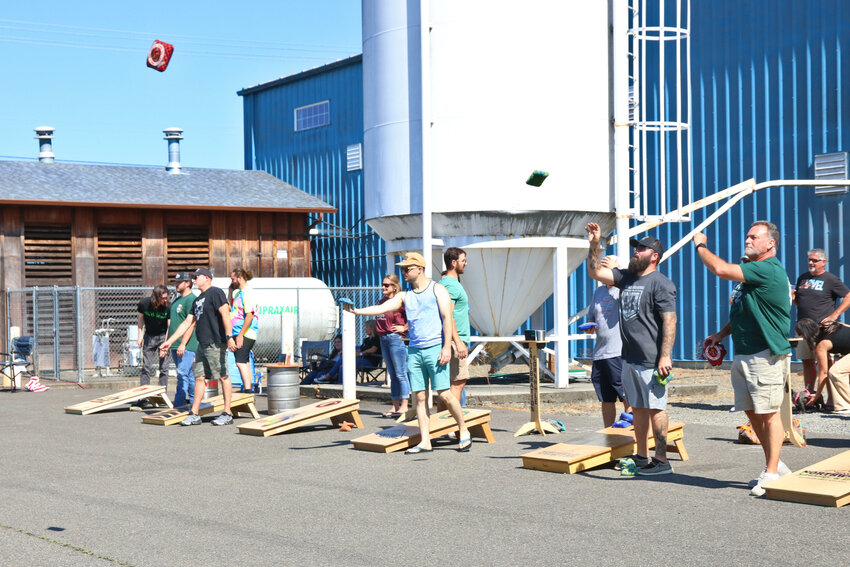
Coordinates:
392 329
823 339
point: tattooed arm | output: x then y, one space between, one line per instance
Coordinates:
668 337
594 267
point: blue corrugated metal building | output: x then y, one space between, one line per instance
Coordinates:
767 84
307 129
767 81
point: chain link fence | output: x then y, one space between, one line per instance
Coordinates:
81 332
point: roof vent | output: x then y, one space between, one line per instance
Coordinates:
172 135
44 135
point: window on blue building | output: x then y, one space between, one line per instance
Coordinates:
313 116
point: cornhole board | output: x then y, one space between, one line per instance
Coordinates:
239 403
594 449
156 394
785 410
407 434
826 483
336 410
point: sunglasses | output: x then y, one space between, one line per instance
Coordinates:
408 268
815 260
386 285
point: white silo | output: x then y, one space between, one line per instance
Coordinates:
504 88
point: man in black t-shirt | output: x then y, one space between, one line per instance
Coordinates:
210 317
153 329
815 296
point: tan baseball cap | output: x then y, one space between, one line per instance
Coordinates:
412 259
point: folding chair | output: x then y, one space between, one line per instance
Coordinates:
17 360
377 374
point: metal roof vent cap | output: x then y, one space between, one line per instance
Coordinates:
172 135
45 147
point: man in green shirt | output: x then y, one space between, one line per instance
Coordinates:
759 322
183 353
455 260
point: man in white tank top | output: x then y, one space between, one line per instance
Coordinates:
429 316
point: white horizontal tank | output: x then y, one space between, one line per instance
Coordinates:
290 308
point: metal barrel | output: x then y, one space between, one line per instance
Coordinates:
283 387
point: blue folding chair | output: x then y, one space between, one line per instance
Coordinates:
17 360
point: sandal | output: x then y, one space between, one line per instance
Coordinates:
388 414
464 445
418 449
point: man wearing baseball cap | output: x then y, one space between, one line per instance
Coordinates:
183 351
430 328
648 330
210 318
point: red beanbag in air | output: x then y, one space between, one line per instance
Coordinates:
159 55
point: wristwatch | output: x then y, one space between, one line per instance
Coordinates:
700 245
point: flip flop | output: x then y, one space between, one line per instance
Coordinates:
389 414
418 449
397 414
464 445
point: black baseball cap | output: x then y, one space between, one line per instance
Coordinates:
649 242
202 272
182 277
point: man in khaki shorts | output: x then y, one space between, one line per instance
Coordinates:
759 321
455 260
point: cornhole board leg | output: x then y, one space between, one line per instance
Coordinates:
249 409
406 435
826 483
161 400
354 416
785 411
336 410
541 427
675 438
119 399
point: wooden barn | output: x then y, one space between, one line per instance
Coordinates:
98 225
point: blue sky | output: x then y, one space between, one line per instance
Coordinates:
79 66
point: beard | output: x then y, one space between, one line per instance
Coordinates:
639 264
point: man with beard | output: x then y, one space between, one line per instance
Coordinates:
759 321
430 328
648 329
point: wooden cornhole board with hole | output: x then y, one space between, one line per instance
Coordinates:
407 435
594 449
156 394
826 483
239 403
337 410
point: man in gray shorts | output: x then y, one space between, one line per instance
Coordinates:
648 328
759 321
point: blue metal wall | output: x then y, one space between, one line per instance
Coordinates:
767 82
347 252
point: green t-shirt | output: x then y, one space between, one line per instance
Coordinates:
461 303
181 307
760 315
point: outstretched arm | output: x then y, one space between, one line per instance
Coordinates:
393 304
594 267
717 266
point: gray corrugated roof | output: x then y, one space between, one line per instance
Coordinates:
39 183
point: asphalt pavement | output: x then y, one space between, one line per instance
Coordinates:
105 489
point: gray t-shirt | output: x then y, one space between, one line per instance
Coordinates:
604 311
642 301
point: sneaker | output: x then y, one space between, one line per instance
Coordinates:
145 403
223 419
764 478
655 467
782 469
639 461
841 411
324 380
191 419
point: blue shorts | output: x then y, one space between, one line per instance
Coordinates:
423 366
607 379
